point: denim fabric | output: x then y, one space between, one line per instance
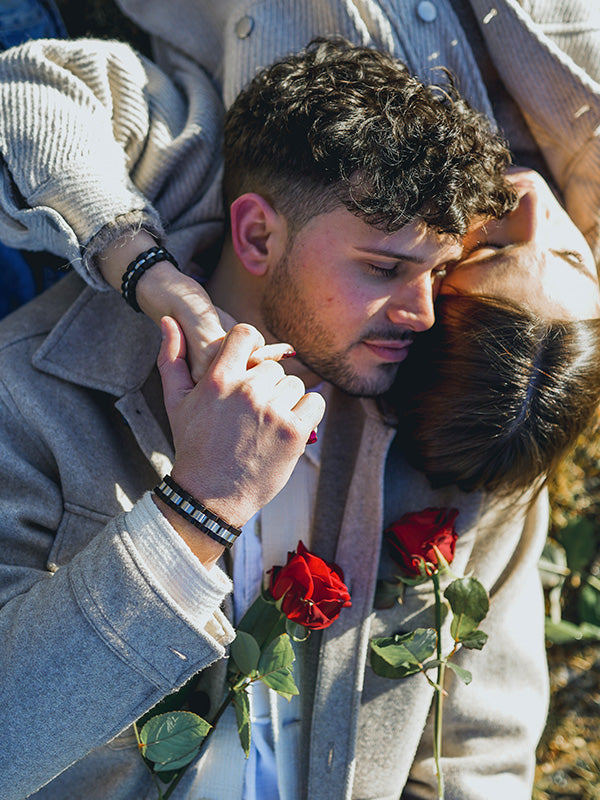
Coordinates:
21 280
21 20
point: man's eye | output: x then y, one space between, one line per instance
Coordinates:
385 271
440 273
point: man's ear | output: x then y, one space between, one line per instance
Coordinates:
258 232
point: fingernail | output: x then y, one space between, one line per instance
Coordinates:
289 354
312 438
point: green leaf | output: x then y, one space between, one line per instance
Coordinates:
564 632
474 640
282 682
402 655
417 581
241 703
173 740
263 620
388 593
460 672
588 604
245 652
276 655
578 538
470 603
296 632
172 702
166 777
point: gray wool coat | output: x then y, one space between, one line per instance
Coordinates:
83 626
91 638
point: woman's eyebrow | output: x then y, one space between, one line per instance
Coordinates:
574 259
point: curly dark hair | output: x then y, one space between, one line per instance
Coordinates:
493 397
341 124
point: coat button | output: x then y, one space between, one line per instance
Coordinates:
243 27
427 11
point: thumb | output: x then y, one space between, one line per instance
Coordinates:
174 371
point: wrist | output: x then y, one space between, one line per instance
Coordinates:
165 291
116 257
206 550
235 511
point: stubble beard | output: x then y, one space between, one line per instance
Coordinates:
290 319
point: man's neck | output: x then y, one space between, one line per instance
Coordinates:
238 295
233 291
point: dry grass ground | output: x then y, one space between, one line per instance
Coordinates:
569 754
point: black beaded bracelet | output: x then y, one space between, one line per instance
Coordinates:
191 509
137 268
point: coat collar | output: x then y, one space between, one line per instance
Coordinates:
100 343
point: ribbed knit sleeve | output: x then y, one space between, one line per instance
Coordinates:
557 91
93 138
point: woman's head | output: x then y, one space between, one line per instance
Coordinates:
500 395
535 255
498 391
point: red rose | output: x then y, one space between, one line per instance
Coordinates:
413 536
312 591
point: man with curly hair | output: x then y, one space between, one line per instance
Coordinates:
349 185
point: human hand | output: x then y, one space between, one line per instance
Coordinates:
164 291
239 431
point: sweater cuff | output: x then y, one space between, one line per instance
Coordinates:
89 205
173 567
125 225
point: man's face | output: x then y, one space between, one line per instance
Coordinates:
350 298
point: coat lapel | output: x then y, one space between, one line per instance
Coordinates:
343 646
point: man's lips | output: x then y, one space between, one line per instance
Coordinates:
392 351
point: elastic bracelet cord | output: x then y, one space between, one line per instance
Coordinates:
136 269
193 511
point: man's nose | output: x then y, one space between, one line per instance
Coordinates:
518 226
412 308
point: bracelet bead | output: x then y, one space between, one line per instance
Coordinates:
138 267
195 512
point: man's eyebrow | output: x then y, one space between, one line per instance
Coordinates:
378 251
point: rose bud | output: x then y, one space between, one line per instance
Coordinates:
311 592
413 539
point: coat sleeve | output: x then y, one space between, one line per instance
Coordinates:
95 139
551 71
89 647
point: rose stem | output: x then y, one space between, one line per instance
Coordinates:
439 692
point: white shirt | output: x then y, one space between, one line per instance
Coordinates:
266 540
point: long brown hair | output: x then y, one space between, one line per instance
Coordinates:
492 396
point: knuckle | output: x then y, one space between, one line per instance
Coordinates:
294 382
269 371
249 392
214 383
318 404
246 331
291 432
